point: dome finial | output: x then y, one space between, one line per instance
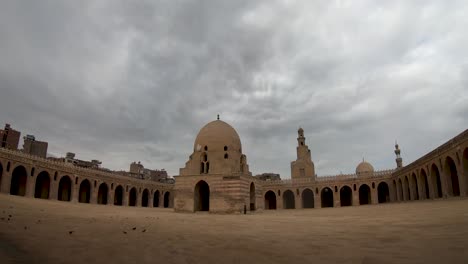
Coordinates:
218 116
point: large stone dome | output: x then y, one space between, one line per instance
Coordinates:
364 168
217 135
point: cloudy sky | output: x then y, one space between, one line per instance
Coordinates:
124 81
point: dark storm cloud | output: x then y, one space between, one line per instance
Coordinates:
135 80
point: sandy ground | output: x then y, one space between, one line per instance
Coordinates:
40 231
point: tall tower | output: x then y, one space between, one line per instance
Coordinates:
399 160
303 167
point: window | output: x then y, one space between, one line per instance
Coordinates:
226 156
206 148
225 148
302 172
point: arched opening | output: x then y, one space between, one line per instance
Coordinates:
288 200
132 197
166 199
307 198
102 193
407 190
270 200
65 189
425 184
400 190
85 192
364 194
326 196
118 195
465 166
252 197
383 192
452 177
144 198
414 182
18 181
436 182
42 187
346 196
201 197
156 199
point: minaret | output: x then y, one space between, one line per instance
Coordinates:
303 166
399 160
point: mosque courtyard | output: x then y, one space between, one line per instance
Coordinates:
45 231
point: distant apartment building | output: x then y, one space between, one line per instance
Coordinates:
268 176
137 170
34 147
9 137
70 158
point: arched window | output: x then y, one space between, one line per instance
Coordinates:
226 156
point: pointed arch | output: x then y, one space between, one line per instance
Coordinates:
102 193
326 196
346 196
450 171
145 198
270 200
364 194
19 179
307 198
42 187
383 193
156 199
132 197
201 197
436 181
64 189
84 195
288 200
118 195
167 197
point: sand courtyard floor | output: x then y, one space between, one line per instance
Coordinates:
42 231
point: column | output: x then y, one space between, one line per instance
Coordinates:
6 181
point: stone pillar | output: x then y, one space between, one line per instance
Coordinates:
150 200
94 194
374 194
53 189
125 197
139 197
393 192
317 200
461 179
279 201
297 201
30 185
430 182
110 196
444 183
75 191
355 197
6 181
336 198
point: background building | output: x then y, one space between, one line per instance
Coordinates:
33 147
9 137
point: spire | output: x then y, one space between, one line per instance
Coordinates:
399 160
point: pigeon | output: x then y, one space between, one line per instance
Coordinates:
124 232
70 232
144 230
134 228
25 228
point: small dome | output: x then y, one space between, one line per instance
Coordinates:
217 136
364 168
